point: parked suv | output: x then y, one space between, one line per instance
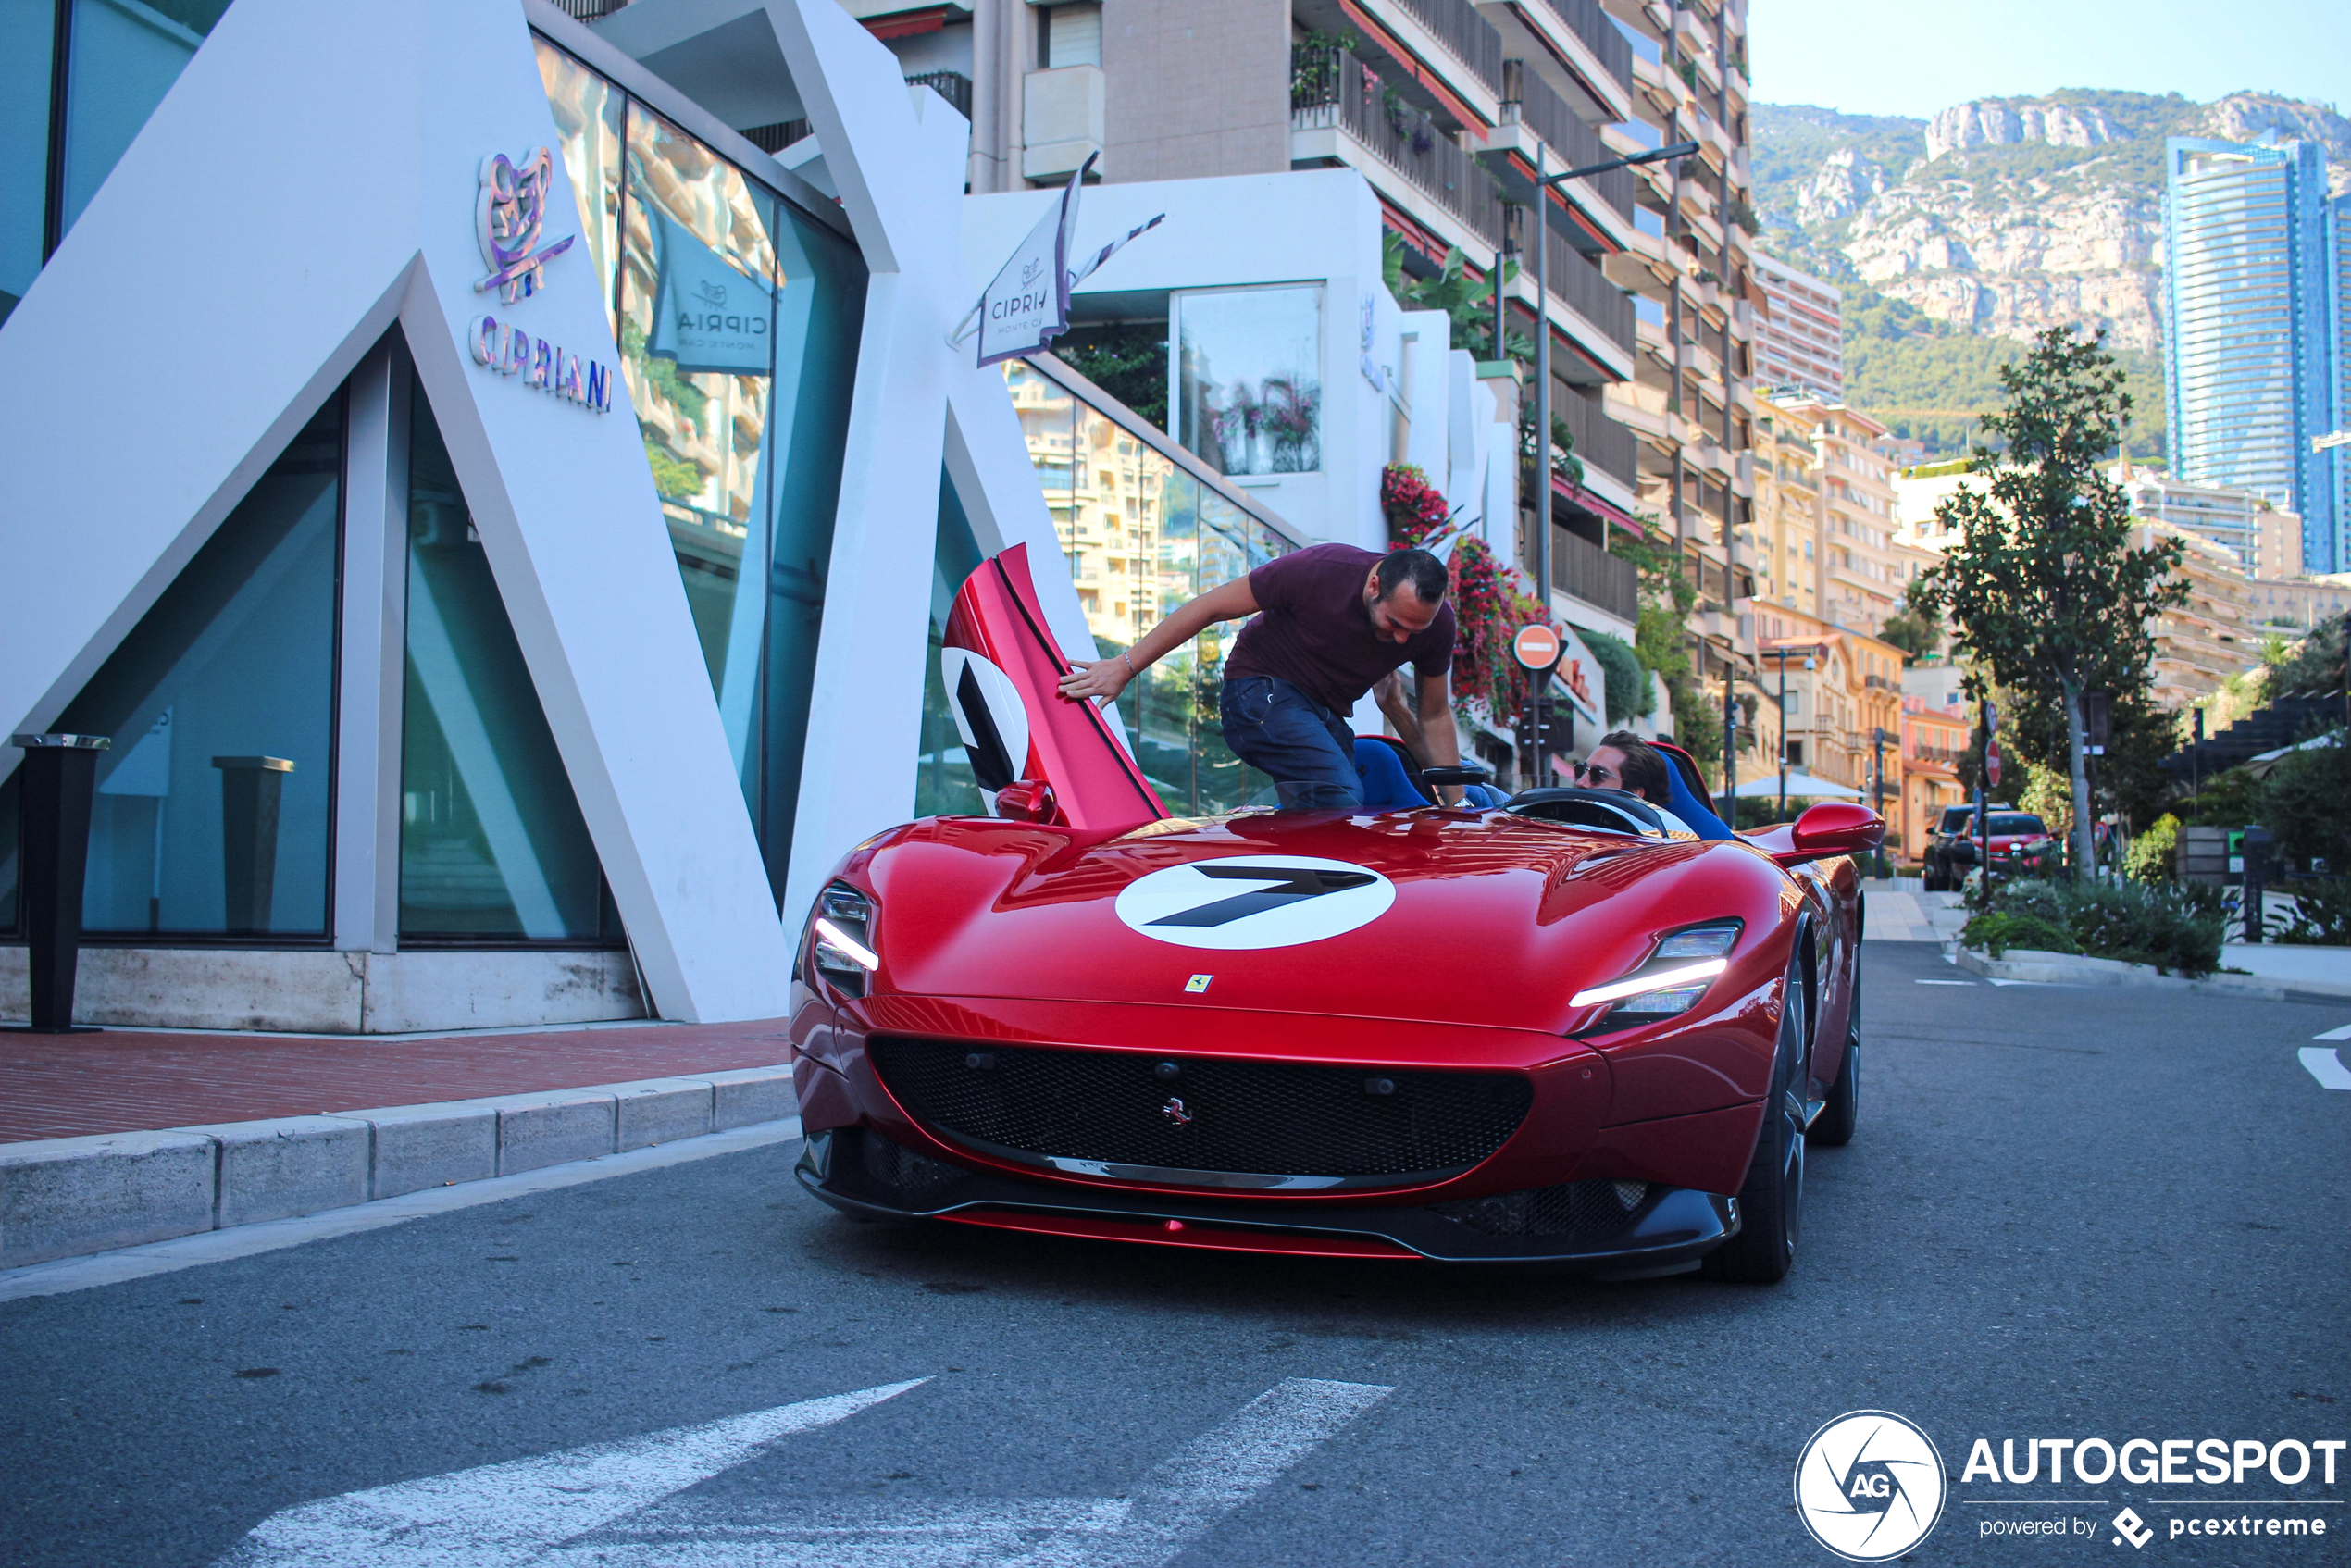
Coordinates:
1951 846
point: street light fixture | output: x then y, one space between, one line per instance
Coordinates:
1544 181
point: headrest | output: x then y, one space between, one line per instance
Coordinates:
1686 788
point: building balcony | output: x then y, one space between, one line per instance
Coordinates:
1604 444
1532 111
1583 570
1341 111
1576 37
1440 53
1595 313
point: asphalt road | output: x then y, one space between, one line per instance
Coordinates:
2067 1213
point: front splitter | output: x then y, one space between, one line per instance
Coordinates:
1673 1227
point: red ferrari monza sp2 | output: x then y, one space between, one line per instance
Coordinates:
1567 1030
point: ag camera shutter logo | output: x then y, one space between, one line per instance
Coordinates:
1869 1486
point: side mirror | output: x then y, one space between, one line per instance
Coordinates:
1833 828
1025 800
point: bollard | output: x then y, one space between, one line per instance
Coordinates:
53 850
250 787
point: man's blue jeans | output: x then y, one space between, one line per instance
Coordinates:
1277 728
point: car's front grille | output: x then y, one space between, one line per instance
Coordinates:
1592 1210
1202 1114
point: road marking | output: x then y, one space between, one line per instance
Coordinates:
1946 982
1988 980
618 1505
2326 1066
2342 1033
497 1514
243 1240
1178 1501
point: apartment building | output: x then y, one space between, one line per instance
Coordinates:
1799 336
1935 737
2265 539
1843 714
1861 566
2201 643
2255 362
1786 533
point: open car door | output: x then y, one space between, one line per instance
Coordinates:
1038 756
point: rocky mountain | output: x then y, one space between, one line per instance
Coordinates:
1973 231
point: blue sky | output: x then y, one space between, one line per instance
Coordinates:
1906 57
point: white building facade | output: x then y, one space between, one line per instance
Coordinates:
519 596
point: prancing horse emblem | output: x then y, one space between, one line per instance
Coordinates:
1173 1111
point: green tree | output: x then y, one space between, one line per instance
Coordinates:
2044 593
1662 642
1468 304
1916 627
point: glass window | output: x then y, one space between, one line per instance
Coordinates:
125 55
820 312
491 841
1248 379
1224 782
212 807
589 112
697 340
26 35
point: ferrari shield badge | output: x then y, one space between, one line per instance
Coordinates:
1247 901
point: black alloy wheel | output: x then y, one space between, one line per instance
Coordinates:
1833 1129
1771 1198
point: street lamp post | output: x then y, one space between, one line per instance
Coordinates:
1540 239
1780 655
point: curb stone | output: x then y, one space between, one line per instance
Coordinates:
2071 969
67 1197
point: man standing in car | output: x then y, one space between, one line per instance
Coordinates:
1330 620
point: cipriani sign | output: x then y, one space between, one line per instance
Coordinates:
508 215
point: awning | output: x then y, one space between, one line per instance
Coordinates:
1802 785
1598 507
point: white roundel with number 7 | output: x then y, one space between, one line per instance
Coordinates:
1255 901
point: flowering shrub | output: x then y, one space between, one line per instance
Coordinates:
1415 508
1490 599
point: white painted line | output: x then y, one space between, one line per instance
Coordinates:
497 1514
243 1240
1946 982
2342 1033
616 1505
2326 1066
1988 980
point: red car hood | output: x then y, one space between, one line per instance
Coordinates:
1488 920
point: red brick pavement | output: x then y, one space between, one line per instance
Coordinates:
129 1080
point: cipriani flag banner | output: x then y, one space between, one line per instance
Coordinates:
1027 304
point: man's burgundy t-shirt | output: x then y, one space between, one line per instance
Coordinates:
1313 632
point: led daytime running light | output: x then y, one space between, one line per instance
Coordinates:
850 948
1655 980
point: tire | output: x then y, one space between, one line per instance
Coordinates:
1771 1198
1833 1129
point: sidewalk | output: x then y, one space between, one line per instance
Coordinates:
1896 914
132 1080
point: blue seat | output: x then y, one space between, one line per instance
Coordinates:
1684 802
1386 785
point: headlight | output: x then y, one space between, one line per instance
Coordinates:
1670 980
841 938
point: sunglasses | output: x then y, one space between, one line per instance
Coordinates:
1598 774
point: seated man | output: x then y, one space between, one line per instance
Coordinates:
1623 761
